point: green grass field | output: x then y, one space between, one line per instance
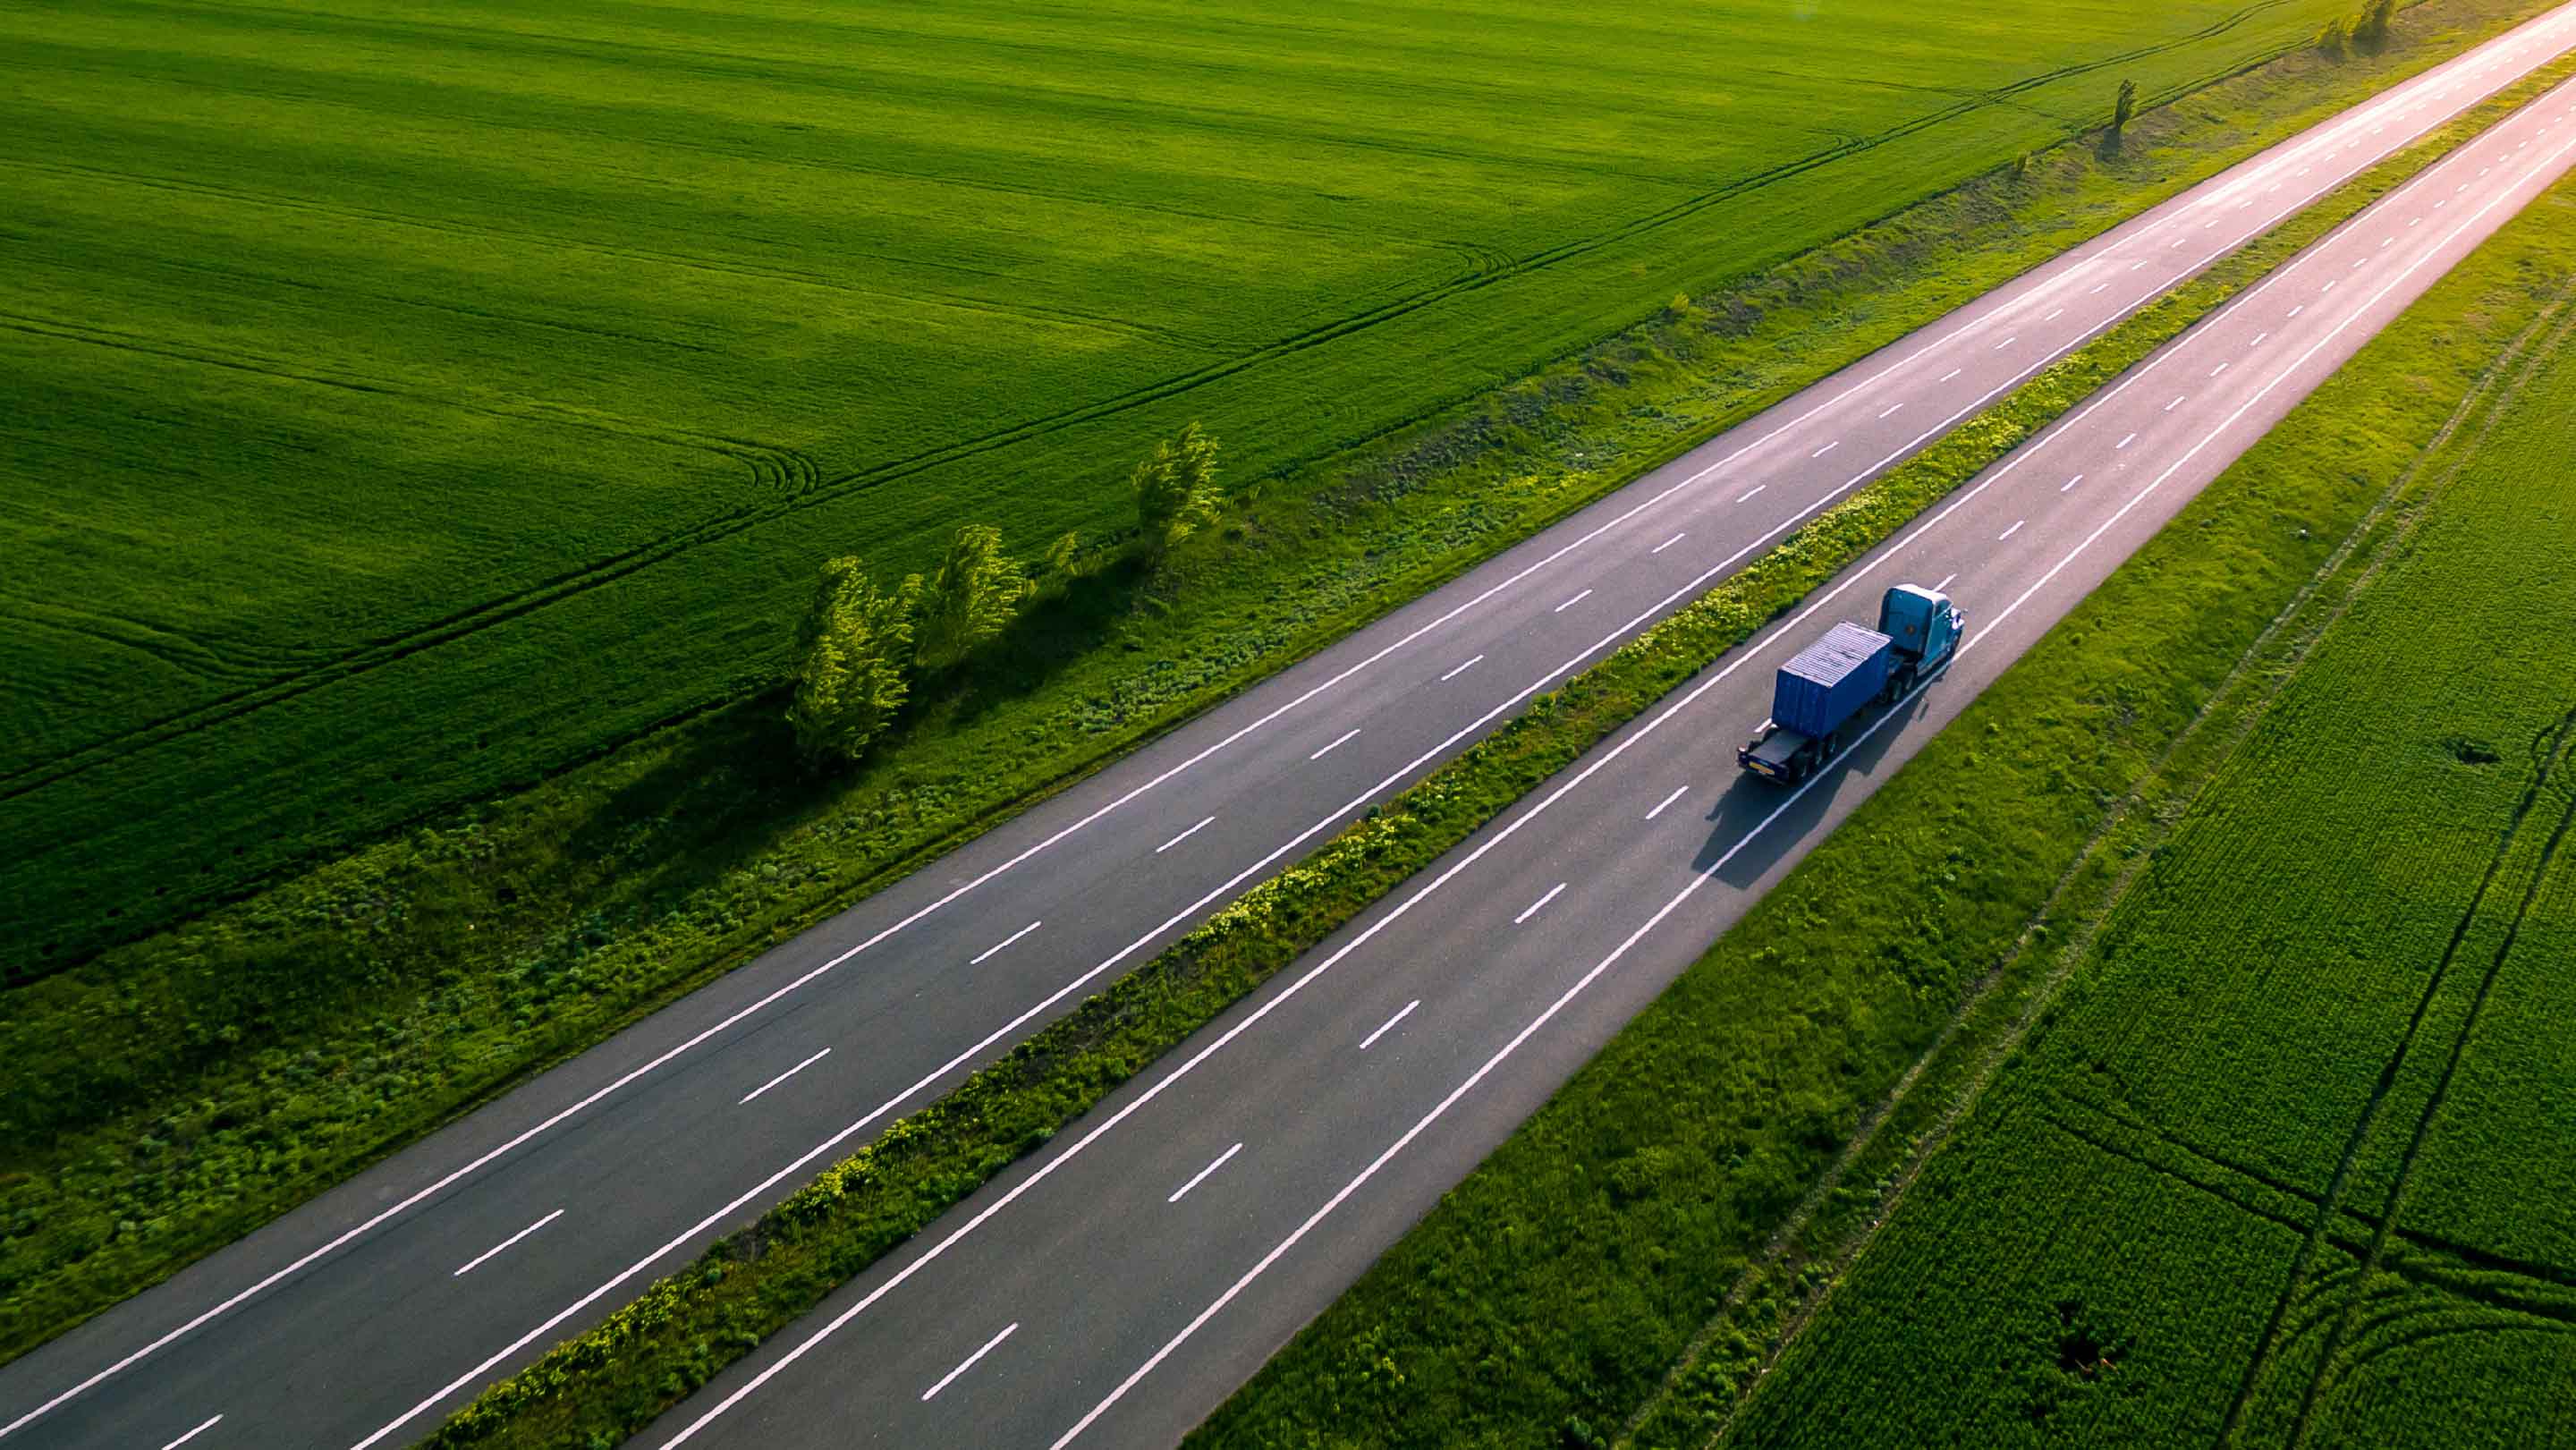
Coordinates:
2291 1164
409 400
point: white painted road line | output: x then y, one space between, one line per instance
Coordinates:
470 1264
746 1097
1456 670
2177 402
2007 342
2008 533
1952 373
2070 483
1892 412
2097 287
1533 908
1388 1025
211 1422
1828 448
1678 792
1348 735
1747 496
1668 543
989 1346
977 960
1560 609
2125 442
2052 317
1203 825
1201 1176
2222 367
1944 584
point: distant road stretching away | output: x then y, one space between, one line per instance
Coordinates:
360 1318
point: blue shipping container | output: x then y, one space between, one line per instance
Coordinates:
1831 680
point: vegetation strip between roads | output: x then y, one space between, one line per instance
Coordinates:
681 1331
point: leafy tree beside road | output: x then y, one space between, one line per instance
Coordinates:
1175 490
852 654
973 596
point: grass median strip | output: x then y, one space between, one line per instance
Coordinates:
609 1382
1621 1269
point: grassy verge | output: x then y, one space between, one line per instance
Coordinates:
309 1030
1620 1269
610 1381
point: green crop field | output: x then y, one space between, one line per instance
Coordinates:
2292 1163
407 400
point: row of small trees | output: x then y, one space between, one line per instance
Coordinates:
2363 30
858 644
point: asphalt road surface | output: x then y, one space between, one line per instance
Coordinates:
359 1318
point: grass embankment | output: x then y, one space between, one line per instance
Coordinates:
310 1029
408 403
1621 1269
678 1334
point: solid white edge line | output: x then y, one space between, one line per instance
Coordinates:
1345 738
1678 792
211 1422
1221 1159
477 1261
1702 878
755 1092
1535 907
977 960
1203 825
969 1362
1388 1025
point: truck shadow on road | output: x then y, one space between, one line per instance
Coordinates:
1742 808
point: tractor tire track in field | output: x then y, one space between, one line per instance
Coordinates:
456 625
627 252
2549 751
2441 1086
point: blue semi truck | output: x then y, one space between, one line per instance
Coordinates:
1831 681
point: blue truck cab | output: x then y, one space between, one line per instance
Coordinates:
1821 691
